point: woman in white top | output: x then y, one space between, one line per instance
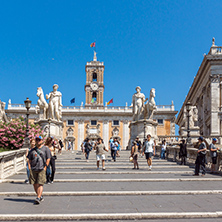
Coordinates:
149 150
163 149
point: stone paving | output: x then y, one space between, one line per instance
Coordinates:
81 192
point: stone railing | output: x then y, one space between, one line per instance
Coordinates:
11 162
172 153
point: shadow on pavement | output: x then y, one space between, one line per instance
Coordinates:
19 200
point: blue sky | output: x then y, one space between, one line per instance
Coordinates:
153 44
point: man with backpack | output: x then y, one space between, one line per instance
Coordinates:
38 160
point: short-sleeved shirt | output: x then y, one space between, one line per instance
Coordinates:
149 146
114 145
213 153
202 146
45 154
100 149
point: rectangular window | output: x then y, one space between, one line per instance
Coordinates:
115 122
70 122
160 121
93 122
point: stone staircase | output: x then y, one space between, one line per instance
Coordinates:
81 192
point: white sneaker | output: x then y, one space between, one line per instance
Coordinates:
150 167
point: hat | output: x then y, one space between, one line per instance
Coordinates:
137 137
214 139
200 138
38 137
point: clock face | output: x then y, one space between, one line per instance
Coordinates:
94 86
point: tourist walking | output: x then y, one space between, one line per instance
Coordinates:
87 149
200 160
32 145
69 145
50 172
134 154
183 152
57 146
149 150
139 144
38 160
118 149
163 150
61 144
114 146
213 154
100 153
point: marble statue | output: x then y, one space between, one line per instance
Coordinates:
3 116
42 105
55 103
150 106
138 104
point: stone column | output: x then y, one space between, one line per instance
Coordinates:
106 133
204 107
125 134
80 133
215 104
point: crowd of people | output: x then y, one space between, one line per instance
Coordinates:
41 157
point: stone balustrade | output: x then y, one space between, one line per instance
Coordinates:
172 153
11 162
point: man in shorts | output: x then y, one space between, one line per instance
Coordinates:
38 160
100 153
213 154
149 150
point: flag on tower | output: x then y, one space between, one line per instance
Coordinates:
111 101
93 44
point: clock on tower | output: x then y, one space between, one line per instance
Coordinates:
94 87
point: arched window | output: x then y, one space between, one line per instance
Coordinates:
94 96
94 77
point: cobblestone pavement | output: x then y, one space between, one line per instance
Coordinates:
82 192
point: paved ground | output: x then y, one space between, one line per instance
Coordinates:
80 191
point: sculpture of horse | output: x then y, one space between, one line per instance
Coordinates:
42 104
150 106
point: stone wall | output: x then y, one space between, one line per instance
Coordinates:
173 154
11 162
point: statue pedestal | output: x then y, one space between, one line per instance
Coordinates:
194 133
141 127
54 128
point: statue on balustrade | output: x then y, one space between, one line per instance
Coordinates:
150 106
141 109
138 104
3 117
53 109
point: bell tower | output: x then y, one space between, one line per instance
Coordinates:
94 87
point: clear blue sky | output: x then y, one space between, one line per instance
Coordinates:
153 44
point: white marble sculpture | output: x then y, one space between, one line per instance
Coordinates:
138 104
53 109
42 106
3 116
150 106
55 103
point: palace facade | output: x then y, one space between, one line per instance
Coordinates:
205 96
94 119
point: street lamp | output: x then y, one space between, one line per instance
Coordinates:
144 122
49 120
27 106
188 108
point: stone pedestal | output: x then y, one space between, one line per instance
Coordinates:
141 127
54 128
194 133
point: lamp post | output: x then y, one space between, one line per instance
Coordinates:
144 122
49 120
27 106
188 108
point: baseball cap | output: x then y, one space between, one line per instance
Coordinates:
200 138
214 139
38 137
